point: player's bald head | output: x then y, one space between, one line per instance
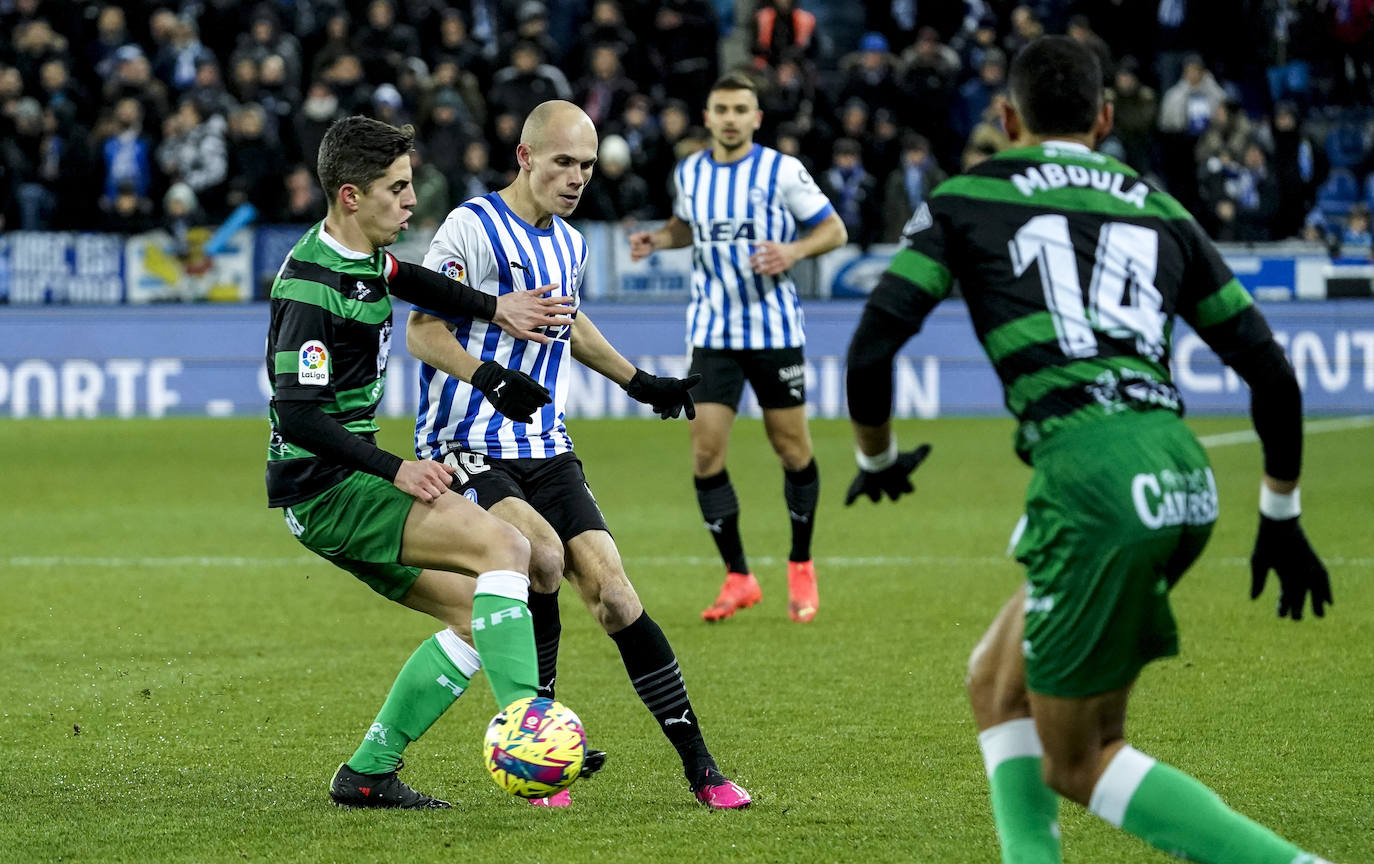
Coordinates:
557 121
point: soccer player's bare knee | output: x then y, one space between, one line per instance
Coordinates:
996 682
546 565
505 548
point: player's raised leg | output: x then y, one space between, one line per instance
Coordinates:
801 488
720 508
1025 810
595 569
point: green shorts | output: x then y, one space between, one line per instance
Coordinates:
357 524
1115 513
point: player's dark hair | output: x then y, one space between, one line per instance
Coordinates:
735 81
358 150
1056 86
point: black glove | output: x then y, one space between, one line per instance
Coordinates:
893 479
1282 547
510 391
667 396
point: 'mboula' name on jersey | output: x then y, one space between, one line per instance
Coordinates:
1049 175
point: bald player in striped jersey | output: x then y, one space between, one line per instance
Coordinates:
522 468
1073 268
750 213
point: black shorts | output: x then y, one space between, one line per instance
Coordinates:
778 376
556 488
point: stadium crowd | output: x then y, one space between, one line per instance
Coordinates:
1257 114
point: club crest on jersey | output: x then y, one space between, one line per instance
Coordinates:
453 270
314 364
758 196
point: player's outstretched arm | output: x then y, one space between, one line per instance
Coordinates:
1280 545
669 397
510 391
883 468
771 257
522 314
673 235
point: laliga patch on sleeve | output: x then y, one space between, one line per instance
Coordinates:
454 270
314 364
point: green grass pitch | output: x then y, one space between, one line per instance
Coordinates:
179 679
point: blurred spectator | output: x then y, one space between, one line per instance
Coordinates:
603 92
606 26
1294 45
532 25
870 74
976 93
179 56
781 30
346 79
854 193
127 153
277 92
318 111
59 88
696 140
265 38
1081 31
65 167
1136 107
973 48
1227 135
931 69
133 78
208 90
477 178
909 185
1179 34
1184 113
1026 27
526 82
302 201
1355 238
471 105
126 211
987 138
338 40
789 143
786 96
34 44
243 80
1243 197
388 107
111 33
433 202
384 43
1300 166
505 137
193 152
456 46
683 52
180 213
640 132
615 195
255 161
854 117
1349 26
883 146
36 201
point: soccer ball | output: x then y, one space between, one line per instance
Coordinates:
535 747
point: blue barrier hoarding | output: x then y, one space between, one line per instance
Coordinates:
208 360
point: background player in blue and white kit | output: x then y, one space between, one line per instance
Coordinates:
750 213
522 467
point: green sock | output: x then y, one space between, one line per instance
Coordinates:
1177 814
430 681
1025 809
503 630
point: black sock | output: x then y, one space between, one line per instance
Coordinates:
802 489
548 626
654 672
720 509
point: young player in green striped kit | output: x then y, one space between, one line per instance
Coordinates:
1073 269
391 522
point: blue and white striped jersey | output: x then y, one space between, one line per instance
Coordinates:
483 244
764 195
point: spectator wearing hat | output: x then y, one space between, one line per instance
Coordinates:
180 213
782 30
975 95
388 106
447 132
908 186
526 82
854 193
870 74
617 195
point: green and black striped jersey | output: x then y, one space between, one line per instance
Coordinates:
328 343
1073 268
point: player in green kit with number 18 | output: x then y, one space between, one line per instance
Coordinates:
390 522
1073 269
